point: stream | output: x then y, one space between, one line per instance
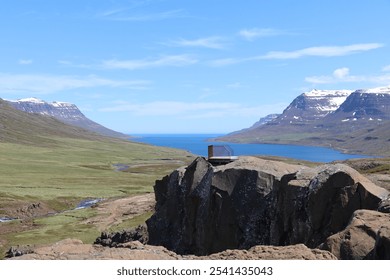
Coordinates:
86 203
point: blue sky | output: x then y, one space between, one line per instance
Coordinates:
170 66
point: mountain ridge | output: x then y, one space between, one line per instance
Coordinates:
63 111
352 121
19 127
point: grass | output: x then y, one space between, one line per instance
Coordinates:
52 229
130 223
62 175
82 169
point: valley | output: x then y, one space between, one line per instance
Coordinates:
47 167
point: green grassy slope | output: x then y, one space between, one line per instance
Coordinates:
57 165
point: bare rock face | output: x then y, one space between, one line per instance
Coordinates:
366 237
382 244
292 252
73 249
114 239
204 209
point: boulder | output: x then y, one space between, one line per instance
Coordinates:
203 209
382 243
367 236
113 239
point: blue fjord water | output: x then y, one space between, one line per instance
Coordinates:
197 144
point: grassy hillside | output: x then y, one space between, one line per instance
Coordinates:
47 166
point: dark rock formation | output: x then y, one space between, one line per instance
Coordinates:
139 233
204 209
17 251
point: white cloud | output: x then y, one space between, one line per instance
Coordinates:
25 61
193 109
125 15
254 33
172 60
44 84
320 51
227 61
343 75
207 42
386 68
324 51
236 85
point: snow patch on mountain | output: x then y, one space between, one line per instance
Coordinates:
328 100
378 90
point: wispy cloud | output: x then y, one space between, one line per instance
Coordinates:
386 68
254 33
44 84
214 42
236 85
324 51
192 109
342 75
320 51
127 15
25 61
171 60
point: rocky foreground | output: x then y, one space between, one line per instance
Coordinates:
250 209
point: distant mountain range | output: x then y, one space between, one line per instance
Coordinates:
353 121
18 127
65 112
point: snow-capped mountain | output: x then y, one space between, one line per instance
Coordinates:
60 110
63 111
313 105
364 105
356 121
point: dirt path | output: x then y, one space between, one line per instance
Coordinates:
113 212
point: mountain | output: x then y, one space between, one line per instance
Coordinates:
64 112
313 105
20 127
353 121
365 105
264 120
260 122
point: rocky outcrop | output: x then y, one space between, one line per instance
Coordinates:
115 238
204 209
366 237
72 249
292 252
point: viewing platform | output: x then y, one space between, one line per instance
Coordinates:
220 154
